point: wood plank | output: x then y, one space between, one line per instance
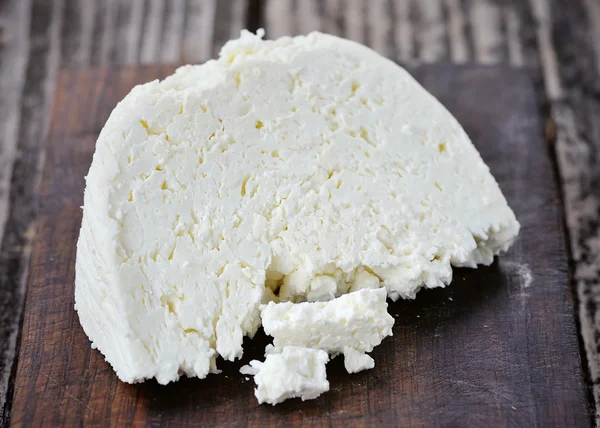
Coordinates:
488 40
498 347
354 25
230 18
14 45
380 27
198 30
575 107
403 31
456 32
153 30
130 24
430 31
330 18
174 19
106 32
97 32
512 22
485 31
81 42
20 161
279 18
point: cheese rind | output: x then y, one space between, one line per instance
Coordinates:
357 320
294 163
295 372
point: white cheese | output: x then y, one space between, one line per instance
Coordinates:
295 372
278 164
357 320
321 288
364 279
355 361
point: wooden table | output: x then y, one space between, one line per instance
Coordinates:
557 41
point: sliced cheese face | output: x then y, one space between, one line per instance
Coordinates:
310 165
295 372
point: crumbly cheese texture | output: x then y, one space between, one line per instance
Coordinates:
356 361
294 372
310 165
351 324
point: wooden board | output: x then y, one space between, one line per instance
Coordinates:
496 348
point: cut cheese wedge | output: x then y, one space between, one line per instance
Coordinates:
295 169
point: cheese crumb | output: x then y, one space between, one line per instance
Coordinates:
295 372
355 361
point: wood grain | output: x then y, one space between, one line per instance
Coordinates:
25 167
575 109
556 40
496 348
13 45
37 39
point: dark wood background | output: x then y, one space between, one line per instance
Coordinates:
496 348
556 41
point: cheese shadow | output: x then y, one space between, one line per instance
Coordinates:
421 325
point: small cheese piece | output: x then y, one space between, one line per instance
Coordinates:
355 361
322 288
364 279
357 320
295 372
